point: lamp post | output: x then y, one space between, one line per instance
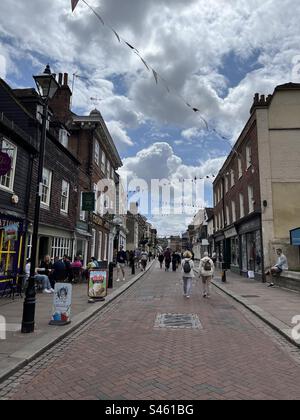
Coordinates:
47 87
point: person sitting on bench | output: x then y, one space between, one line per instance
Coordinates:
279 267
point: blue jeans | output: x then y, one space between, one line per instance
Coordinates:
40 278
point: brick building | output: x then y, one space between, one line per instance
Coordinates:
256 193
15 183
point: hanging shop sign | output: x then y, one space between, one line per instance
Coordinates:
5 163
98 283
11 232
88 201
62 302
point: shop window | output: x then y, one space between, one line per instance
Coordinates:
65 193
244 253
235 252
8 247
7 181
46 187
61 247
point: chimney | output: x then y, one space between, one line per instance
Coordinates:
60 104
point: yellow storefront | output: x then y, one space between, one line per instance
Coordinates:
11 249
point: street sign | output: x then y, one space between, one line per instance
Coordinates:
88 201
295 237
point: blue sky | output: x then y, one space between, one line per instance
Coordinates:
213 54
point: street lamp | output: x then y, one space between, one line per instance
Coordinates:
47 87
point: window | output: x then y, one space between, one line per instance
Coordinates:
97 152
232 178
82 216
61 247
233 209
9 247
227 216
63 137
111 172
65 192
242 209
251 199
248 156
240 164
103 162
46 187
216 199
93 243
7 181
108 170
226 184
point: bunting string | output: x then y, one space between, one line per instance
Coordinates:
158 78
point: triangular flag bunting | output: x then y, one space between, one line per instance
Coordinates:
117 35
130 46
155 76
74 4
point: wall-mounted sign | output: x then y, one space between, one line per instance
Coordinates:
5 163
295 237
98 283
11 232
88 201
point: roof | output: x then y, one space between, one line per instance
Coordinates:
288 86
210 213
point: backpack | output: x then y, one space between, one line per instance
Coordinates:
187 267
207 265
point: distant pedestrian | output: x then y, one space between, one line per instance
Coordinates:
206 272
187 273
121 262
144 260
168 259
214 257
161 260
174 262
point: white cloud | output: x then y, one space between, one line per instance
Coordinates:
2 66
119 134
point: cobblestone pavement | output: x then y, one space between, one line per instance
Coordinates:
120 354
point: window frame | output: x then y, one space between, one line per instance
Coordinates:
67 197
13 155
49 187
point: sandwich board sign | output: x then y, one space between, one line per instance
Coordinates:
62 302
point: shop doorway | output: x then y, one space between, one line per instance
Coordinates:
43 248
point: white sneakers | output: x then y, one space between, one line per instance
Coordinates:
118 280
47 292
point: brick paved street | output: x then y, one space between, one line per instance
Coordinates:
120 355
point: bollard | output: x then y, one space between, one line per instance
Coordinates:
111 275
224 276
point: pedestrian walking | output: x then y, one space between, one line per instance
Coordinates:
161 259
174 262
144 260
206 272
121 262
188 274
168 259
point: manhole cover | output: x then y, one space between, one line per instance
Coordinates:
178 321
250 296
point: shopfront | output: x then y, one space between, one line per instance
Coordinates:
251 258
233 245
11 248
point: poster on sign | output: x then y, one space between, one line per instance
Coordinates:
62 302
97 284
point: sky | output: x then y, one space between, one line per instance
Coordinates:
212 54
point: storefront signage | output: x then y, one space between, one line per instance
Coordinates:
98 284
11 232
295 237
62 303
5 163
230 233
88 201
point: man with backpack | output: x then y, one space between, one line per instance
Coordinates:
187 273
207 269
